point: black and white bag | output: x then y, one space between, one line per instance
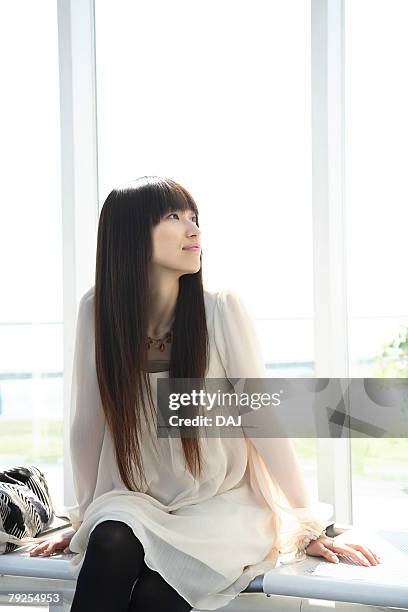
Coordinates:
26 507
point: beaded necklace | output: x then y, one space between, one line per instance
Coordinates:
160 342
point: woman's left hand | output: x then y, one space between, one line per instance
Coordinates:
329 548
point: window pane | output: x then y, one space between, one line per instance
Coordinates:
199 92
31 353
377 218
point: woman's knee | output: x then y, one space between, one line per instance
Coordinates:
113 535
152 590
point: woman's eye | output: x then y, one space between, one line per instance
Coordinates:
195 216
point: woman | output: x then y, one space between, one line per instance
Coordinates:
170 523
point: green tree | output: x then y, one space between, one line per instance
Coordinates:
393 361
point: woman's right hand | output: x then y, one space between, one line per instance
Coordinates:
48 547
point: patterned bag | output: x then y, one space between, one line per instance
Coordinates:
26 507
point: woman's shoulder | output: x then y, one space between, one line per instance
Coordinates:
212 298
222 298
222 304
86 304
221 295
88 295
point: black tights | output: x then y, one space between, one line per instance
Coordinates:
113 565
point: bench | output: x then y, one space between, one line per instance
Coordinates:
291 581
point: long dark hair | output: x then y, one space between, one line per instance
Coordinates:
124 249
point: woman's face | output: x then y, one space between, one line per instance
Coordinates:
176 231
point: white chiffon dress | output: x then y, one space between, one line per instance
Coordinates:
208 538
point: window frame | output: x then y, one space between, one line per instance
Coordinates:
334 470
79 179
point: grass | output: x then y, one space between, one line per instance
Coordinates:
42 441
373 458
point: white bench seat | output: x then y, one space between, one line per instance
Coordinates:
296 580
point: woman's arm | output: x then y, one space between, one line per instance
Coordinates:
87 420
241 354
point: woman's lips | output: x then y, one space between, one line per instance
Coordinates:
192 248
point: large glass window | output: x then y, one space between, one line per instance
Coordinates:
199 92
377 218
31 331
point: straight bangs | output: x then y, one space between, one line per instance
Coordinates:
167 196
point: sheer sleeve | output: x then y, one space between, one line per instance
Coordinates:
87 420
242 357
